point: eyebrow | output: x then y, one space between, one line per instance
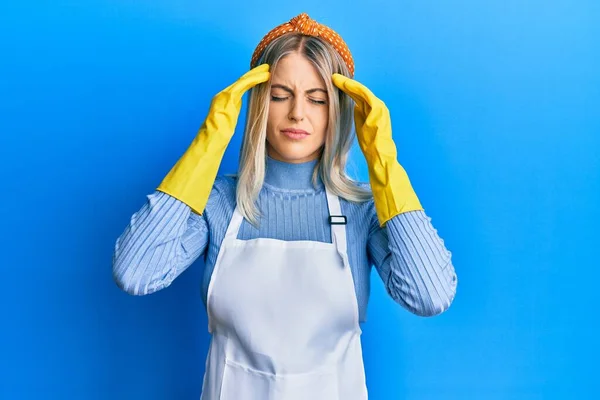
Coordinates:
287 89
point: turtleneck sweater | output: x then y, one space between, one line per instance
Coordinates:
164 237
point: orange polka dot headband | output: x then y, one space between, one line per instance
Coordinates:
307 26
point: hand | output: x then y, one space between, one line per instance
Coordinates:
371 117
192 177
225 106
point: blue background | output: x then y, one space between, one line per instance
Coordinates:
496 114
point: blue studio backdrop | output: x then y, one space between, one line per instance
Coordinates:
496 114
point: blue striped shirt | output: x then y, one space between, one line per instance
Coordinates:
164 237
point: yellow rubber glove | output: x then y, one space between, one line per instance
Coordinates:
392 192
191 179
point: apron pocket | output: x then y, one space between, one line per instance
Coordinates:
244 383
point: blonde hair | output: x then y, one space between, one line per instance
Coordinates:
339 136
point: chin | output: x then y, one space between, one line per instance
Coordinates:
293 153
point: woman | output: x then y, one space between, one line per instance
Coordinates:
289 242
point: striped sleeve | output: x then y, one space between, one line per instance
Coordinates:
161 241
413 262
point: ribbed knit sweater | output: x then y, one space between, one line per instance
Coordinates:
164 237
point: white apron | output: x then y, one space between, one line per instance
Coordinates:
284 320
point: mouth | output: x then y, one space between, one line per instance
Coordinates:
295 133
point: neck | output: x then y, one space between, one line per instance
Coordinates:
286 175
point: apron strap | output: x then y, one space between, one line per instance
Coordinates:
234 226
338 231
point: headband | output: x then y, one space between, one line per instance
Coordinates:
307 26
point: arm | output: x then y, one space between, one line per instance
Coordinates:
170 232
161 241
406 250
413 262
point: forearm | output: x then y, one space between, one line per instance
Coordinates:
418 269
161 240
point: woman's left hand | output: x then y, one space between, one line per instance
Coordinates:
371 117
392 191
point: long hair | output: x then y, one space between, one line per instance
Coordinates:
331 166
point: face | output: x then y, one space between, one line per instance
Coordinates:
298 111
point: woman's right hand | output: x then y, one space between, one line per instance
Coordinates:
225 106
192 177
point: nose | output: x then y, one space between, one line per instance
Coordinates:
297 111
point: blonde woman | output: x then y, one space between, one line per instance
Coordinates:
289 243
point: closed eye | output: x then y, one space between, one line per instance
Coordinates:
320 102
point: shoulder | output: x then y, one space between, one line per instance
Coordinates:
222 193
225 183
369 208
363 210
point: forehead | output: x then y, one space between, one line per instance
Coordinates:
296 70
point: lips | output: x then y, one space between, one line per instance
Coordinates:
295 133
